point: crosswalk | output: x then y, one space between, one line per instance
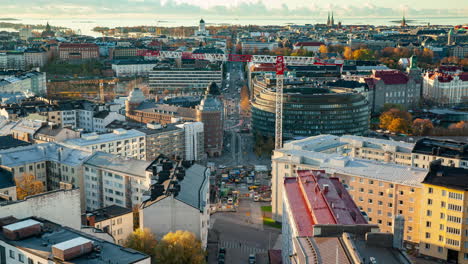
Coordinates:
243 247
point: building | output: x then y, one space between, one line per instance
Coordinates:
15 60
125 143
168 140
7 185
133 68
308 45
445 88
115 220
21 239
202 32
194 140
55 133
394 87
253 47
78 51
184 80
179 199
112 180
451 153
443 224
26 129
123 53
322 224
35 58
26 82
308 110
9 141
209 112
382 190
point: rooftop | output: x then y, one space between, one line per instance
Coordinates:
314 198
391 77
93 139
8 141
109 212
118 164
449 177
442 148
6 179
63 237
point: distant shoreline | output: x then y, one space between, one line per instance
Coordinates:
8 19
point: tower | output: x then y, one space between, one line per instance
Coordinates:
328 19
449 37
201 27
332 22
403 21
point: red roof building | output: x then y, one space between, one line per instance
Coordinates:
391 77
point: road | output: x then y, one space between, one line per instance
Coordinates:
242 233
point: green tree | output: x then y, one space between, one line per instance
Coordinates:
180 247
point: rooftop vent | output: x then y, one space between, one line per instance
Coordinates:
72 248
325 188
22 229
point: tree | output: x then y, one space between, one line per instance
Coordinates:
323 49
387 118
348 53
181 247
422 127
459 125
244 102
363 54
388 106
28 185
142 240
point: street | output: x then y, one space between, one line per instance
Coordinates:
242 233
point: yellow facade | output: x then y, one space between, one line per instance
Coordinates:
444 229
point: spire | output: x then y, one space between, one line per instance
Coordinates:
328 19
332 20
403 21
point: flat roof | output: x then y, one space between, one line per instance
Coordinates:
103 138
21 224
71 243
118 164
110 212
456 178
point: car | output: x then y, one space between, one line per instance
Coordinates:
222 250
251 259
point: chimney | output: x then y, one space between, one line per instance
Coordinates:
325 188
398 231
90 219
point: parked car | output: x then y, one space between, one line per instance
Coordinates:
251 259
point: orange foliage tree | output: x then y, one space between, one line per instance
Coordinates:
421 127
402 120
244 100
348 53
28 185
180 247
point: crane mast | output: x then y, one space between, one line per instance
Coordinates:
279 61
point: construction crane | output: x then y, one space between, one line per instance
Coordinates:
279 61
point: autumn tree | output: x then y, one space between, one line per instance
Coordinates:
142 240
27 185
363 54
459 125
180 247
348 53
421 127
244 99
402 124
323 49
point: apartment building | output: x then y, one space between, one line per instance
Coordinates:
112 180
131 68
194 140
35 58
115 220
381 190
179 199
125 143
451 153
168 140
444 226
25 82
322 224
21 239
7 186
78 51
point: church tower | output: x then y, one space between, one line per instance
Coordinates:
450 38
201 27
332 22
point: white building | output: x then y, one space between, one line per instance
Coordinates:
251 46
35 240
132 68
15 60
3 61
194 140
188 210
31 82
202 32
125 143
446 88
114 220
112 180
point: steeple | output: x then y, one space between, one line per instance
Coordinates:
47 28
403 21
332 20
449 37
328 19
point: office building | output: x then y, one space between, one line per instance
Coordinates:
254 47
443 223
125 68
168 140
194 140
179 199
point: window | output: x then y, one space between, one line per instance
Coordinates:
389 223
401 192
390 205
429 213
20 257
389 214
371 182
30 261
430 190
456 196
429 201
444 192
442 204
370 201
400 202
361 189
441 227
454 207
379 221
428 224
12 254
380 193
442 215
380 202
427 246
453 242
428 235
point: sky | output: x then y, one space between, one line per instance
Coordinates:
232 8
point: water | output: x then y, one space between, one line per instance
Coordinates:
86 25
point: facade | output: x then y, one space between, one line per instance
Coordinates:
308 45
20 240
252 46
394 87
202 32
180 80
443 224
193 140
133 68
322 224
28 82
7 186
168 140
15 60
450 152
309 111
112 180
54 134
446 88
35 58
78 51
125 143
179 198
115 220
381 190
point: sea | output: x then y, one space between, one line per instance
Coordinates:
85 26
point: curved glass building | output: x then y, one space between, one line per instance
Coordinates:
310 111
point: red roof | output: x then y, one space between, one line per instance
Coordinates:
392 77
263 67
309 44
449 68
445 77
311 203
